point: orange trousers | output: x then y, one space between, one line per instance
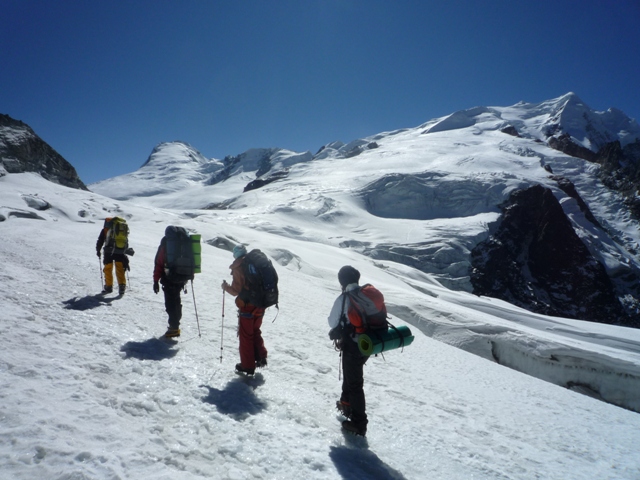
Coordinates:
108 274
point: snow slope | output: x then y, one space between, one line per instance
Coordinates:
89 392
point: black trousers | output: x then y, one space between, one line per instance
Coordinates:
353 381
173 303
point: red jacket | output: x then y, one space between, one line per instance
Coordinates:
158 269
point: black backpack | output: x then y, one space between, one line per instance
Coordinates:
179 265
261 280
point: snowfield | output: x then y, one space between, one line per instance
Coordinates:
90 392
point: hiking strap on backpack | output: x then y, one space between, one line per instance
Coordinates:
337 344
343 314
399 335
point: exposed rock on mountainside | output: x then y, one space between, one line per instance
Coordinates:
564 144
21 150
609 138
265 180
536 260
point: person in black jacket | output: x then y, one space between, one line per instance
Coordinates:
352 401
171 289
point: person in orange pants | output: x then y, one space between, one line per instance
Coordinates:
252 350
111 256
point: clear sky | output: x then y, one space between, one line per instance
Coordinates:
103 82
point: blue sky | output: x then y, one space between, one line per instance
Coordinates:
105 82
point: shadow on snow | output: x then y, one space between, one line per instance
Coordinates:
89 302
237 399
355 460
152 349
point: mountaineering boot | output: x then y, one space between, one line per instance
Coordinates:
246 371
344 408
172 332
350 426
261 363
107 289
121 288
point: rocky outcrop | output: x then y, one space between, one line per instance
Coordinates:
536 260
564 144
21 150
510 130
265 180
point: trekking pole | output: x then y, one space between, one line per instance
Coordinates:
101 275
196 308
222 330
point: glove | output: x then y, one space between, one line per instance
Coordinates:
224 284
336 333
156 287
129 251
98 253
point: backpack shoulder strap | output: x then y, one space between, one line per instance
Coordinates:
343 314
352 294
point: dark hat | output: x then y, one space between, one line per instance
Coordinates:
347 275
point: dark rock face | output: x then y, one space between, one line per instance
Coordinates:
620 166
21 150
510 130
570 189
536 260
261 182
564 144
621 172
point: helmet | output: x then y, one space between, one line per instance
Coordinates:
348 275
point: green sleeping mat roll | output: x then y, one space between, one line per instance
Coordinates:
384 340
197 252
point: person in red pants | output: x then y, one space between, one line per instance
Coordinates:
252 350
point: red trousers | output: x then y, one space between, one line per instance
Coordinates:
251 342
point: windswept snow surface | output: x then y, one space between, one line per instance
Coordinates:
88 391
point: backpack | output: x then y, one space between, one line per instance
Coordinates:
367 310
179 264
261 280
117 239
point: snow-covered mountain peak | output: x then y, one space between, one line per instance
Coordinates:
565 115
590 128
171 153
171 167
